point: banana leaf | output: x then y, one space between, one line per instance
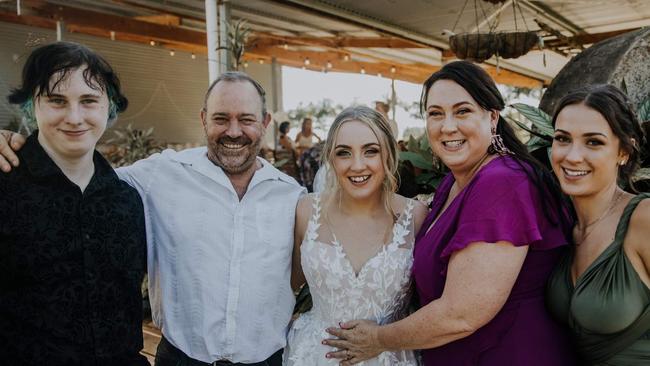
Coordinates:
538 117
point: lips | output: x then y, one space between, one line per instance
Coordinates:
359 179
574 173
74 133
453 144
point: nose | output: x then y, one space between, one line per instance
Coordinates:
574 154
358 162
234 129
449 125
73 115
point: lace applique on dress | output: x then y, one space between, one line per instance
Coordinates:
379 292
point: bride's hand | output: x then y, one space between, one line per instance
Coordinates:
357 341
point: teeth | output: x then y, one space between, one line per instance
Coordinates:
454 143
233 146
575 173
360 179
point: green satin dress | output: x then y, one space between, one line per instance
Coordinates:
608 309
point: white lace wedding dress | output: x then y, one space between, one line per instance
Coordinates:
378 292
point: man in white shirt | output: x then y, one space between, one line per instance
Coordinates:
219 234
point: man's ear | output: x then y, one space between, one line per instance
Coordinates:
203 115
266 120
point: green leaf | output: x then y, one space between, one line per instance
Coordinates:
280 163
412 144
536 142
424 143
538 117
644 110
418 160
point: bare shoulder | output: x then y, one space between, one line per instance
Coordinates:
639 230
419 211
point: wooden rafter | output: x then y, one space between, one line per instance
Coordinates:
170 36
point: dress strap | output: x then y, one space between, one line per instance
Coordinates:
403 227
624 222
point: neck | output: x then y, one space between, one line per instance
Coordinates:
360 207
591 208
79 170
240 181
464 177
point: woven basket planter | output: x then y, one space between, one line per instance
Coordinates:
479 47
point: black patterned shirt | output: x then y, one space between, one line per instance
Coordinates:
71 266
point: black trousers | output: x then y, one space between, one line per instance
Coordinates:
168 355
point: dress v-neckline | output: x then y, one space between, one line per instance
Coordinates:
343 254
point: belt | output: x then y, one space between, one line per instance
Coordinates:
166 346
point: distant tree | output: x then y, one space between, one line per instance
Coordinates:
320 112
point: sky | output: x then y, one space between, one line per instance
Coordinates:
346 89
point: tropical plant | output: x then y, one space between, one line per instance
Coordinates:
131 145
428 172
320 112
238 33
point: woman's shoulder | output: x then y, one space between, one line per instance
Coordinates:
639 226
418 209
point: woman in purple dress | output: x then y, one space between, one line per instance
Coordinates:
497 227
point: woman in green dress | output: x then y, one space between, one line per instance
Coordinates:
601 289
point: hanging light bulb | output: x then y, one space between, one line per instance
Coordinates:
393 69
261 61
304 68
307 62
329 65
378 74
152 42
112 35
363 70
172 53
193 56
245 64
285 46
346 57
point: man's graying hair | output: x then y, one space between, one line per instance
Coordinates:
236 76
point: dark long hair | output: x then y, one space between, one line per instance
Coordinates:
619 113
482 88
58 60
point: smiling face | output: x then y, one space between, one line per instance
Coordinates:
459 130
585 152
357 160
234 126
72 118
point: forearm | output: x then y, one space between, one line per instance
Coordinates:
432 326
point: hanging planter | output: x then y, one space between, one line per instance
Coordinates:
515 44
480 46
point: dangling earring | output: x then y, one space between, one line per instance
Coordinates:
497 146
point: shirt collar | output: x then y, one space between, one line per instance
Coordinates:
198 160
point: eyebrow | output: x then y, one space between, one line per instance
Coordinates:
55 95
588 134
454 106
222 114
341 146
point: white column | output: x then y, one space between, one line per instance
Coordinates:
213 37
60 28
223 9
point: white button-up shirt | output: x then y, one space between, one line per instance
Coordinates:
219 268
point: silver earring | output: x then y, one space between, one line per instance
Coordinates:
497 146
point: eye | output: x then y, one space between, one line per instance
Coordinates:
56 101
342 153
463 111
89 101
247 121
220 120
372 151
562 139
434 113
594 142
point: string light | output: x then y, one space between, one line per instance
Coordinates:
363 70
245 64
112 35
378 74
172 53
152 42
304 68
346 58
285 46
193 56
329 65
261 61
307 62
393 69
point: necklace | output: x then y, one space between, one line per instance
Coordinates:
587 229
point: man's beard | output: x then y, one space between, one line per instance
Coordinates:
234 162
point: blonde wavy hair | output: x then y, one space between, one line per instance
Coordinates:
388 150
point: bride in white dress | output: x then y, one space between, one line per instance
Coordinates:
354 241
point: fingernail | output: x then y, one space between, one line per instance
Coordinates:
328 356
